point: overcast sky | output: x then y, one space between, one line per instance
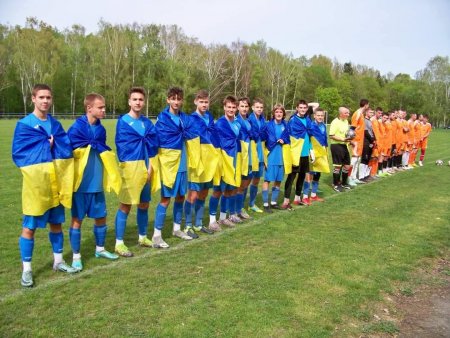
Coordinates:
398 36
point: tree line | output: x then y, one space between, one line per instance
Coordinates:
156 57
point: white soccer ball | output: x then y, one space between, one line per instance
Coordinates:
350 134
449 163
439 162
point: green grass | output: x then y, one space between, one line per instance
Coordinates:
307 273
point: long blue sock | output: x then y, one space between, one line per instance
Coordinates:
199 211
75 239
239 202
100 234
177 212
213 203
57 241
253 193
232 204
26 247
244 197
306 188
160 216
224 204
142 221
188 213
275 193
265 196
121 224
315 186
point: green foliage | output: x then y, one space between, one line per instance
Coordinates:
383 326
159 56
329 99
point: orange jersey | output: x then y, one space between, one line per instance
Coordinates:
394 125
411 133
388 134
358 123
426 130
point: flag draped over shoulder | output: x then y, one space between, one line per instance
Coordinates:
171 138
272 141
134 151
256 132
83 140
319 143
209 151
298 131
244 139
230 153
47 171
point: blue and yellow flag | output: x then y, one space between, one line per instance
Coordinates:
298 131
245 140
47 171
319 143
272 141
209 152
230 153
83 140
136 153
256 134
172 135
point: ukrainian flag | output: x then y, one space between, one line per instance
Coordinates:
135 153
171 138
244 140
47 172
83 140
298 131
256 132
319 143
272 141
230 150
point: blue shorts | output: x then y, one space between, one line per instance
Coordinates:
274 173
199 186
224 186
54 216
91 204
145 194
179 187
259 173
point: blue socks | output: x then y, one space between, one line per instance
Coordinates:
239 202
177 212
306 188
188 213
213 203
160 216
75 239
57 241
142 221
253 193
26 247
199 211
275 193
100 234
232 204
315 186
121 224
265 196
224 204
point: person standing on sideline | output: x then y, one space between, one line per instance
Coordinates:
42 151
137 146
96 170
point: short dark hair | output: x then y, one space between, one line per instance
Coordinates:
363 102
230 99
301 102
175 91
379 109
40 86
258 100
244 99
140 90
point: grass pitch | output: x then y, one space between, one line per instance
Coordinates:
308 273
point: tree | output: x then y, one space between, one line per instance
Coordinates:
329 99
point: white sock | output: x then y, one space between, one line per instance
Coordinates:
297 198
176 227
99 248
26 266
313 194
273 203
77 256
212 219
286 201
361 171
223 215
266 204
305 196
58 258
353 162
156 233
142 237
119 241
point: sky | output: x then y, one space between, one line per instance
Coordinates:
397 36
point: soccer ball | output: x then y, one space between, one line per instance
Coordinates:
449 163
350 134
439 162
